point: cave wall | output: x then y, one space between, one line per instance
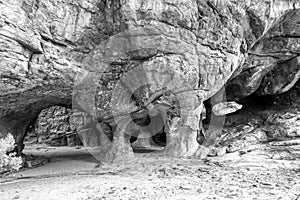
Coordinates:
272 66
61 126
54 126
42 44
192 45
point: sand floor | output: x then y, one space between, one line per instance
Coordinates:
75 174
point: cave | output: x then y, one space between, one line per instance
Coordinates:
185 87
61 128
52 67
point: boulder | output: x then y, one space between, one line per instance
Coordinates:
226 108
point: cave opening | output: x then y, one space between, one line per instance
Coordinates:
261 107
59 133
150 136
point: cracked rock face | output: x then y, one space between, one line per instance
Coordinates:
149 52
273 64
55 126
38 40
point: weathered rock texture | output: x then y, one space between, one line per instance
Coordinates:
273 63
272 132
38 40
140 55
54 126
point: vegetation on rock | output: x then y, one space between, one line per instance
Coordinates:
8 159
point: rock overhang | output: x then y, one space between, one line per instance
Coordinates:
207 42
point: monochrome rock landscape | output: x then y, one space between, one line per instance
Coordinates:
191 83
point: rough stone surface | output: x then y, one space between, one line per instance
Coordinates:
272 132
273 63
54 127
129 56
38 40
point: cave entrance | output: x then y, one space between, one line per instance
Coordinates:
59 135
53 139
150 136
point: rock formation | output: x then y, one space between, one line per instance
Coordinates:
138 59
54 126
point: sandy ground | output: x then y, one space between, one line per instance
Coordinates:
74 174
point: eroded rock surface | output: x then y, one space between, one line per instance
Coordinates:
132 57
54 126
273 63
38 41
271 132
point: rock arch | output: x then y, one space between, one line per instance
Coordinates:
22 109
210 43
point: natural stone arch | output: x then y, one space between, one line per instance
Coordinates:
23 109
159 76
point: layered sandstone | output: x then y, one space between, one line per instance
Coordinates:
142 59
